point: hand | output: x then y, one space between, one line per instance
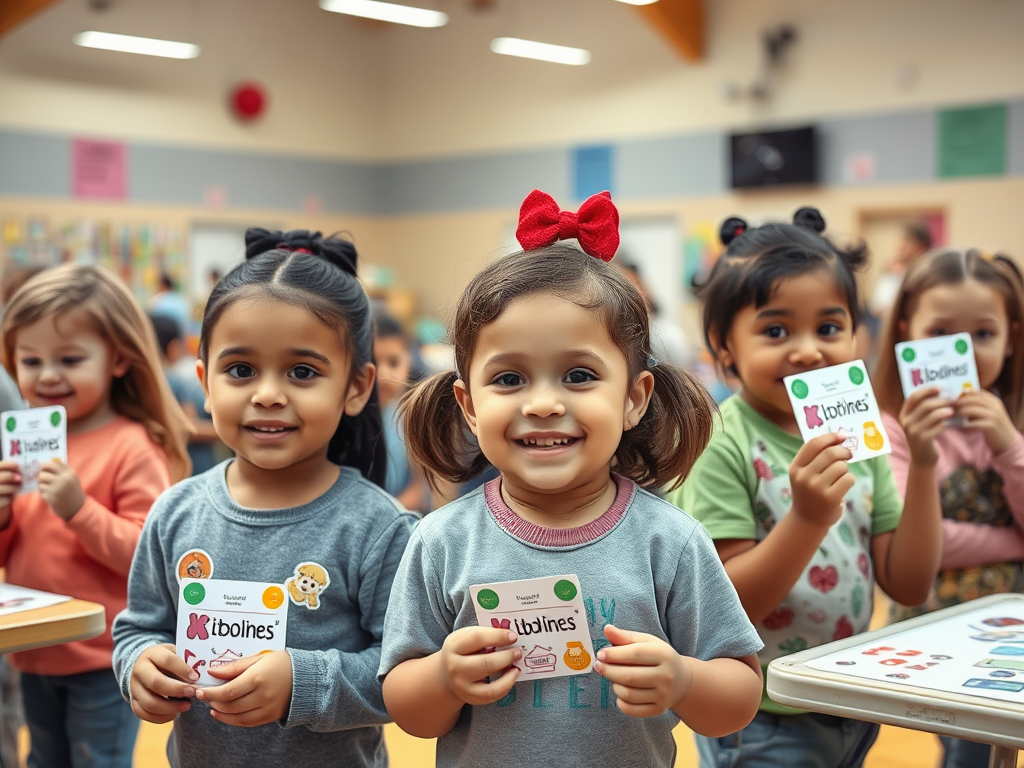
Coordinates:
10 482
983 410
259 690
820 479
60 488
923 416
157 681
465 663
647 675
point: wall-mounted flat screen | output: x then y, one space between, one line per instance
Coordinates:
773 157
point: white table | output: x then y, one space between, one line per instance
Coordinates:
958 672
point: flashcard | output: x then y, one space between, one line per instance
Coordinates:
994 685
1016 664
839 399
944 361
33 437
221 621
549 617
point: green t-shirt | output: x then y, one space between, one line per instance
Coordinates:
739 489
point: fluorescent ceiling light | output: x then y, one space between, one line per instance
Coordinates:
528 49
398 14
147 46
638 2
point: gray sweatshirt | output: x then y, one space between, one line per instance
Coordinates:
354 532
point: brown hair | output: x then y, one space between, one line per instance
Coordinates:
660 449
142 394
950 266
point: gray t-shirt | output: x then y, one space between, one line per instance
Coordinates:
643 565
356 533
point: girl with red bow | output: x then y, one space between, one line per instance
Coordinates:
556 388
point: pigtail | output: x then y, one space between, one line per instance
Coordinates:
436 434
674 431
732 228
1010 384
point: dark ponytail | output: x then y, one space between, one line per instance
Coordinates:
306 270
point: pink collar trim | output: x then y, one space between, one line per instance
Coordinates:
531 533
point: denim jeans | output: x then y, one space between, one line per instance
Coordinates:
960 753
81 721
795 741
11 718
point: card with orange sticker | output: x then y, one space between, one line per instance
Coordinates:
220 621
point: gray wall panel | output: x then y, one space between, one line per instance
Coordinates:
1015 139
903 145
689 165
35 164
472 183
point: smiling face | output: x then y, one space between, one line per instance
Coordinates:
63 361
278 381
804 325
968 307
549 395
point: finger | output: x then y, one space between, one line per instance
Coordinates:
813 447
921 394
234 668
235 689
617 636
843 486
637 654
157 705
635 696
9 465
155 681
476 639
828 457
638 710
834 473
479 666
9 489
167 661
488 693
157 717
248 719
628 675
247 703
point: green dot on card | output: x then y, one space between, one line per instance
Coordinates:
55 418
194 593
856 375
799 389
565 590
961 346
909 355
11 424
488 599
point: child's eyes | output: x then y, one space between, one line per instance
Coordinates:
830 329
240 371
507 380
775 332
579 376
938 332
304 373
984 334
29 362
71 360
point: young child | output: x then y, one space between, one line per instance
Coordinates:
75 336
285 361
556 382
979 470
392 356
803 535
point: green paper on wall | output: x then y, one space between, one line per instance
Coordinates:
972 141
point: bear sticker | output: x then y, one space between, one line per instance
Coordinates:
305 586
194 564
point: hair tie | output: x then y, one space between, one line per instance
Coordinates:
290 249
651 362
595 226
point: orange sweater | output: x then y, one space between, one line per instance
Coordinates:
122 472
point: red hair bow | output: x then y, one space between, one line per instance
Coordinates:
596 226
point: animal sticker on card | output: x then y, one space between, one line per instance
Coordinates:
548 616
994 685
33 437
221 621
839 399
943 361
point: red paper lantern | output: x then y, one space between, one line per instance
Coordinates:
248 101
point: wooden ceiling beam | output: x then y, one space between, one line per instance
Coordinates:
681 22
14 12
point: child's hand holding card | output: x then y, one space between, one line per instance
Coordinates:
839 399
943 361
32 438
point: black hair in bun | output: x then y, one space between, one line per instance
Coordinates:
809 218
339 252
732 228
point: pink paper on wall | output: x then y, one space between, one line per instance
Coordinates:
99 169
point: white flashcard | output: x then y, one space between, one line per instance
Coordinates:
549 617
839 399
943 361
221 621
33 437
